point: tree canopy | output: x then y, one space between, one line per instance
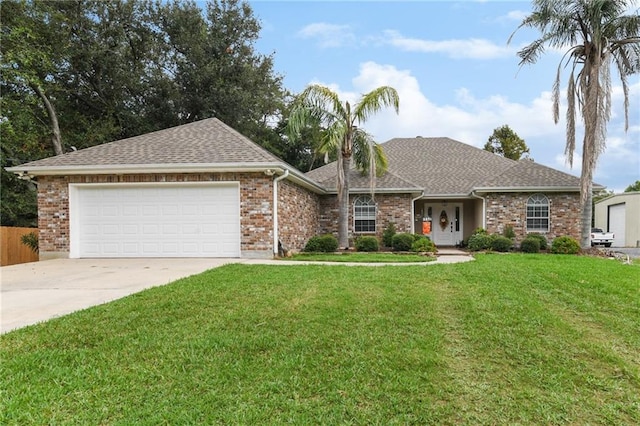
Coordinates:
507 143
634 187
79 73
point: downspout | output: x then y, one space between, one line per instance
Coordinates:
413 212
275 210
484 209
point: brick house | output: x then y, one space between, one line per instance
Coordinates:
204 190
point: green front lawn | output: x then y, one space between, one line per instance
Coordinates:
507 339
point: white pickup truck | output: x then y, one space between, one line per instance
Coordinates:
598 237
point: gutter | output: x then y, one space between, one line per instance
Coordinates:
275 210
528 189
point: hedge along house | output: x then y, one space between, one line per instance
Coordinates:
205 190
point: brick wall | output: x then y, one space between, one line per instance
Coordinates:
298 215
53 215
256 198
504 209
390 208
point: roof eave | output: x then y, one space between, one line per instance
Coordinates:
528 189
444 196
377 190
267 168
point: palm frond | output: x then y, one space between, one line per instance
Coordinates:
555 97
369 157
316 102
374 101
530 53
571 120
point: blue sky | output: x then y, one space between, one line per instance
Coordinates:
450 62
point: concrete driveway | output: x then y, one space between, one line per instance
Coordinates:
39 291
36 292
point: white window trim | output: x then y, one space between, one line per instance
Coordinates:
370 203
537 198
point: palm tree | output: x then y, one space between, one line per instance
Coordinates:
343 135
595 34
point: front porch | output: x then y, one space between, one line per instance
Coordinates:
447 222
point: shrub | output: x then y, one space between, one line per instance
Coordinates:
500 243
479 241
509 232
402 242
422 244
530 245
30 240
479 231
542 241
565 245
388 233
367 243
322 243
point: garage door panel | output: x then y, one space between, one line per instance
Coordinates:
617 222
164 221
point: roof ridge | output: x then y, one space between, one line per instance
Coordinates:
254 145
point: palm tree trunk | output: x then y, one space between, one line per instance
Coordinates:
591 111
586 215
586 185
343 206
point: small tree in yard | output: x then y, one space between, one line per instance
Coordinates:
388 233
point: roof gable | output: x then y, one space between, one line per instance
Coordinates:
206 141
442 166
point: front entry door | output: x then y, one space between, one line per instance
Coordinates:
446 224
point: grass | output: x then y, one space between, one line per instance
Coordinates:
360 257
507 339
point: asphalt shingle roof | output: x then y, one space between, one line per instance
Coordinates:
439 166
443 166
527 173
326 176
206 141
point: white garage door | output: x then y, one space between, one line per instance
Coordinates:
155 220
617 217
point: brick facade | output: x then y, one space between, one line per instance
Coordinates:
256 198
298 215
390 208
510 209
302 213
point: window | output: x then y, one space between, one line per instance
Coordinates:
538 213
364 214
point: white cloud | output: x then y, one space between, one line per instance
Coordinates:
328 35
472 120
516 15
474 48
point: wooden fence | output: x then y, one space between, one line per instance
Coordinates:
13 250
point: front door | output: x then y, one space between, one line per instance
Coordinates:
446 228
